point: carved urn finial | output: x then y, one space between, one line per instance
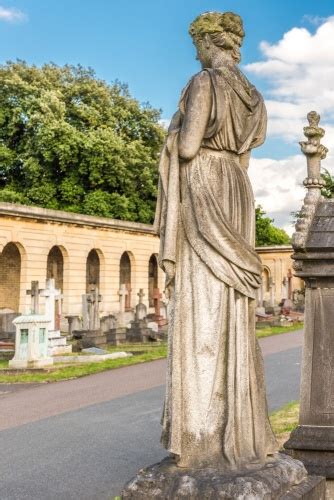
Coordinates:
314 152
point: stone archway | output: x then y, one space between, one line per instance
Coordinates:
10 277
152 278
92 271
55 267
125 277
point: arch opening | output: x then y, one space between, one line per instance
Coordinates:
55 267
125 277
10 277
92 271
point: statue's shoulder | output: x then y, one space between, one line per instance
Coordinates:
201 81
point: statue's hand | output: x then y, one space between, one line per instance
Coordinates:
169 267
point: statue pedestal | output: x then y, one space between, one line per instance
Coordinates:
280 478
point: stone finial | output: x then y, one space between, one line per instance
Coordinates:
314 152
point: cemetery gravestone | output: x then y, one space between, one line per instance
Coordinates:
52 297
91 335
31 343
139 330
117 335
313 242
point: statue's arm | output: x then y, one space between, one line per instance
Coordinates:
175 122
196 116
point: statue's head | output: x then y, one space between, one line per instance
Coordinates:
216 30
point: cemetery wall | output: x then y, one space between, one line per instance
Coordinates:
35 232
38 243
277 266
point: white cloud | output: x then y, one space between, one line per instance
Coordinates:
299 70
278 187
12 15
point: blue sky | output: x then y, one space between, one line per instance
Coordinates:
145 43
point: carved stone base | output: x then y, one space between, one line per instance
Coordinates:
314 446
280 478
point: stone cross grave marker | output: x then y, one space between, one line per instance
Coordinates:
141 309
123 292
91 302
34 293
53 298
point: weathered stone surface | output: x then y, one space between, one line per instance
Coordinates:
280 478
314 446
215 415
313 440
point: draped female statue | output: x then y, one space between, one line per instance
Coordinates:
215 409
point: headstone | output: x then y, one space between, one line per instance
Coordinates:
31 343
7 329
123 292
139 330
52 297
74 324
90 310
108 322
141 309
117 335
312 441
52 303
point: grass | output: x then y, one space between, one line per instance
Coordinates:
284 420
276 330
142 354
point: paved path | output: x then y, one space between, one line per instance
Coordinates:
100 429
25 404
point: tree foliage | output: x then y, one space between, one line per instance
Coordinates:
72 142
266 232
328 189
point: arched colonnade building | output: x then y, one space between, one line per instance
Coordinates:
84 252
80 252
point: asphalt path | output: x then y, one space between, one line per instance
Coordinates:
83 439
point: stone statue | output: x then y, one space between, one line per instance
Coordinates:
215 408
215 421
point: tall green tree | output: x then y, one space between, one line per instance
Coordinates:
72 142
266 233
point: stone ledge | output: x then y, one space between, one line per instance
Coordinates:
47 215
280 478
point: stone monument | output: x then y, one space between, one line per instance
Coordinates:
139 331
215 422
32 335
117 335
57 343
313 242
91 335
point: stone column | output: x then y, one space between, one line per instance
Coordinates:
313 440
